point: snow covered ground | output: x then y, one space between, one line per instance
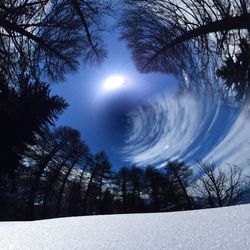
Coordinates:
221 228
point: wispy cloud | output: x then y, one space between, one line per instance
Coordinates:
188 128
235 147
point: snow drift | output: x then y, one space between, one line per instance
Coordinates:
221 228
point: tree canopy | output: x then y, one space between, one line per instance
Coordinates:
49 38
187 35
235 72
25 110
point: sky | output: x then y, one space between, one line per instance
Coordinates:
91 106
144 121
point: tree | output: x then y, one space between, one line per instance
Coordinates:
235 72
98 165
220 188
103 181
154 182
74 198
47 38
41 40
107 202
76 190
179 174
25 110
187 35
74 153
136 177
122 182
54 143
80 157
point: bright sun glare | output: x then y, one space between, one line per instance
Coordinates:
114 82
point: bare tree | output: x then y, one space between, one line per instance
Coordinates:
218 187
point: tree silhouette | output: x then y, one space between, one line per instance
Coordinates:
47 38
80 157
179 174
73 179
98 167
218 187
25 110
184 36
103 182
73 153
235 72
136 177
53 147
154 180
74 198
122 182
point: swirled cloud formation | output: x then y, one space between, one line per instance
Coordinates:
187 128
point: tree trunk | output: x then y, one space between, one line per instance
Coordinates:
53 180
35 186
182 187
88 188
58 205
238 22
124 197
87 194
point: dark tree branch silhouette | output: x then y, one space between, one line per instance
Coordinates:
179 172
81 157
220 188
49 39
62 136
187 35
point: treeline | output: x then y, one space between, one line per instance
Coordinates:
58 176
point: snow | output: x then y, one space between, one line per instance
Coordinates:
221 228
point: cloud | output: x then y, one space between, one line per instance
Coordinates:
235 147
187 128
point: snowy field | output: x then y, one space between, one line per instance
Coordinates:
221 228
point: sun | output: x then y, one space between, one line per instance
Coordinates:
114 82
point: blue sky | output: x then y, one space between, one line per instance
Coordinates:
144 122
84 93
